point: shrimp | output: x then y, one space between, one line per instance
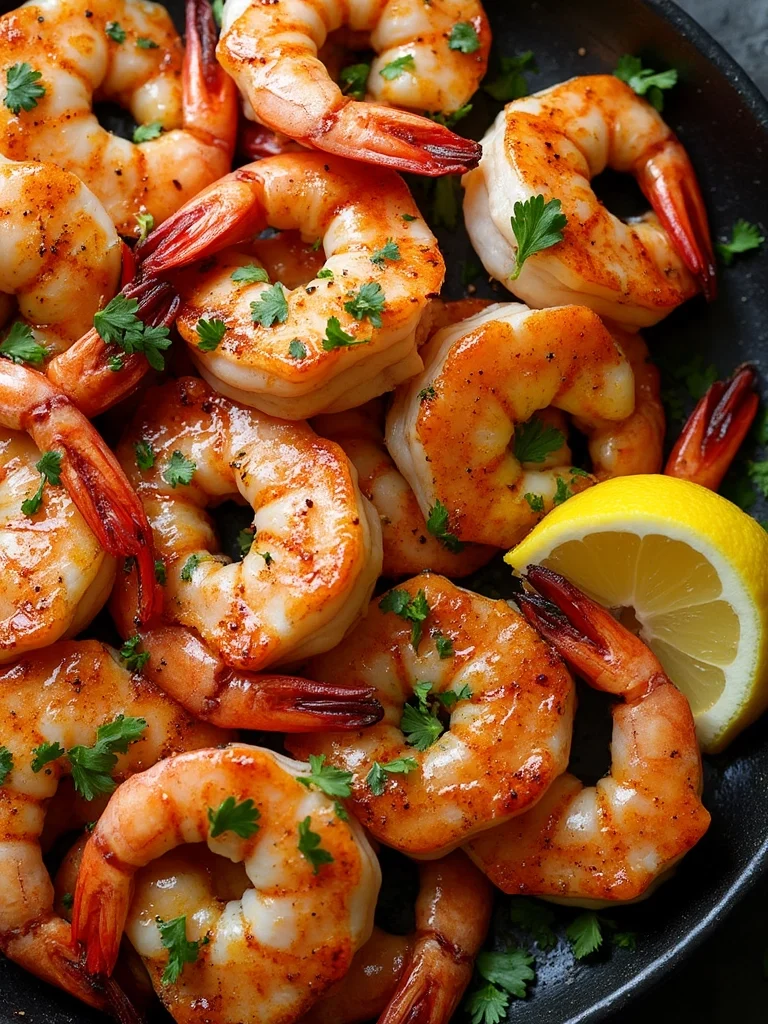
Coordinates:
294 930
271 51
73 454
60 255
553 143
311 563
125 51
351 333
509 699
613 841
63 695
409 546
421 976
483 379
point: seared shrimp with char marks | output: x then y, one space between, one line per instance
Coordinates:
552 144
306 907
423 785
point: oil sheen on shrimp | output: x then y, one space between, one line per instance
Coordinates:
451 429
552 144
271 51
63 695
311 563
288 358
126 52
613 841
298 920
509 699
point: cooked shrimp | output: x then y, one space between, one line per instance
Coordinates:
510 702
60 255
271 51
351 333
409 546
99 490
613 841
554 143
314 557
274 951
63 695
450 428
128 52
421 976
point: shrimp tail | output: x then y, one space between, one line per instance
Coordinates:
256 141
587 636
209 95
715 430
99 911
432 985
669 182
120 1006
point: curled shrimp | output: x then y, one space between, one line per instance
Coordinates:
351 333
63 694
127 52
60 255
409 546
271 52
554 143
483 379
98 488
306 909
399 979
311 563
613 841
510 703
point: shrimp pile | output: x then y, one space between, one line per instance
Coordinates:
305 448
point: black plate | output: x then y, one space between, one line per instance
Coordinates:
723 121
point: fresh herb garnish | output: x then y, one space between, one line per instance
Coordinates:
536 225
230 816
437 524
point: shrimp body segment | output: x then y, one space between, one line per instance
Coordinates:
315 551
511 705
451 429
379 272
613 841
295 928
271 51
552 144
63 695
96 54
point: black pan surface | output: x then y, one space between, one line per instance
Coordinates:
723 121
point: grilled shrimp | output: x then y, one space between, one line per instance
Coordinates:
409 546
552 144
613 841
351 333
128 52
271 51
63 695
305 909
419 785
311 562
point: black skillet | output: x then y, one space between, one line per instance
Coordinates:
723 121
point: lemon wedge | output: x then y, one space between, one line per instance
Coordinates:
684 569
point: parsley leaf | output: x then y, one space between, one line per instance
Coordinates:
645 81
117 324
389 251
396 67
420 725
758 474
189 567
241 818
245 541
23 92
146 44
369 302
173 935
179 470
160 573
147 132
414 610
376 779
217 10
335 337
6 764
134 659
408 218
535 440
49 468
145 222
115 32
437 524
625 940
326 274
309 846
353 80
210 333
327 778
68 900
445 202
585 934
511 83
563 492
427 393
92 766
744 238
271 308
535 918
536 225
19 345
451 697
297 349
145 455
510 971
449 120
45 753
535 501
250 274
464 38
487 1005
444 646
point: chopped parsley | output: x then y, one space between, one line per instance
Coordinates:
562 493
160 573
23 91
147 132
511 83
389 251
45 754
19 345
117 324
420 723
745 237
173 936
6 764
464 38
376 779
250 274
145 455
189 567
327 778
644 81
535 440
585 934
230 816
271 307
413 610
449 120
437 524
210 333
396 67
134 659
115 32
444 645
146 44
368 303
297 349
179 470
309 846
505 974
49 468
354 79
145 222
335 337
536 225
535 501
